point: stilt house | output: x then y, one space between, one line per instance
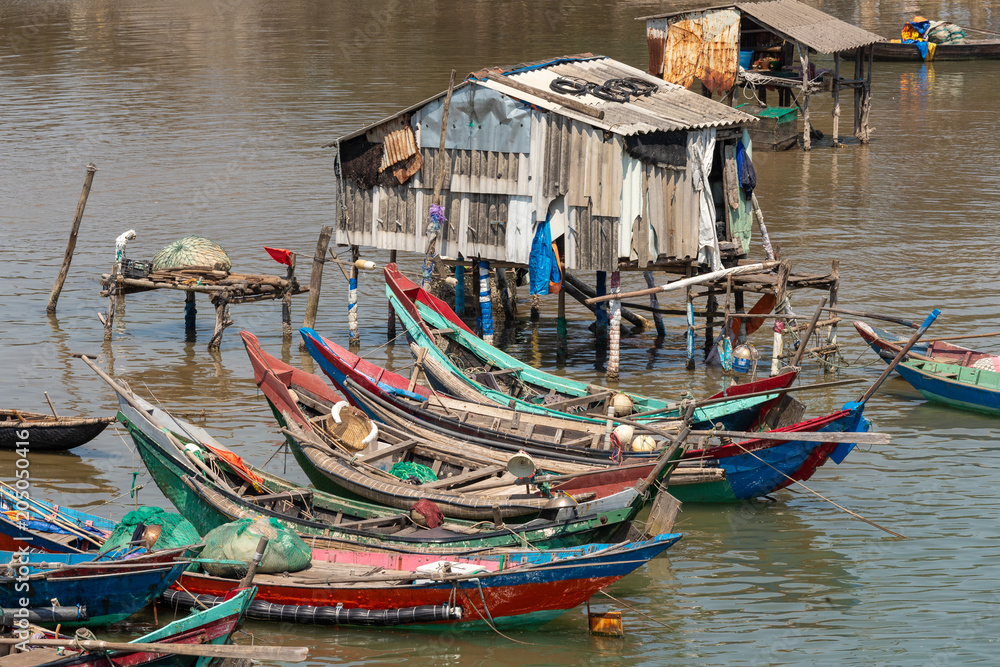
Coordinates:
756 46
629 170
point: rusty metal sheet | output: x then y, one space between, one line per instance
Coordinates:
814 28
704 46
397 146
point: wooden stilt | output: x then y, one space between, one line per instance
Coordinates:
390 323
485 303
286 301
614 328
71 245
781 294
866 97
858 55
221 303
561 312
807 128
536 301
354 336
831 331
738 305
584 288
836 99
109 318
316 278
460 290
711 307
570 289
601 315
690 329
504 290
190 312
661 331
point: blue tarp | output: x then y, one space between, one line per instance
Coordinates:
543 267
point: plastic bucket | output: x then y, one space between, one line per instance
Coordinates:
746 59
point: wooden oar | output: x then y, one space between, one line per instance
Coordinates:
686 282
966 336
804 436
728 399
873 316
279 653
899 357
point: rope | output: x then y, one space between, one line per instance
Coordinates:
641 613
489 621
388 342
83 635
840 507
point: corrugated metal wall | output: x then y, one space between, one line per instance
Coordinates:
492 200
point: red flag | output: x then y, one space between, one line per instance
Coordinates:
280 255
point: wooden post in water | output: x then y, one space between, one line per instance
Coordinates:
536 301
354 336
858 55
109 318
654 303
439 178
806 129
316 278
831 331
190 313
614 327
866 104
286 300
690 328
781 293
505 302
738 305
711 307
71 245
561 314
601 315
485 303
221 303
390 323
836 99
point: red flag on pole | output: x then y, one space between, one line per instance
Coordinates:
280 255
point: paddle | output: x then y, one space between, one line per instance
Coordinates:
804 436
899 356
685 282
279 653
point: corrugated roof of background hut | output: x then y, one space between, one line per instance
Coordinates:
669 108
799 22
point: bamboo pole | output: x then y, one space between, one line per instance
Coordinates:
806 127
899 356
614 328
872 316
765 239
316 279
256 652
51 407
442 162
781 294
804 342
588 291
693 280
390 323
831 330
967 336
354 336
71 244
654 305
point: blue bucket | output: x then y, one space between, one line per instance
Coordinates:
746 59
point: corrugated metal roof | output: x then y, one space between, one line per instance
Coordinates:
799 23
670 107
808 25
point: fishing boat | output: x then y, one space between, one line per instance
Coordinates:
733 472
887 344
970 49
470 368
43 526
39 432
477 485
237 490
111 591
968 388
523 591
203 627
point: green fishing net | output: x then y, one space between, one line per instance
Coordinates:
406 470
285 552
176 531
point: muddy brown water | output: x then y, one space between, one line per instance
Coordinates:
208 118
